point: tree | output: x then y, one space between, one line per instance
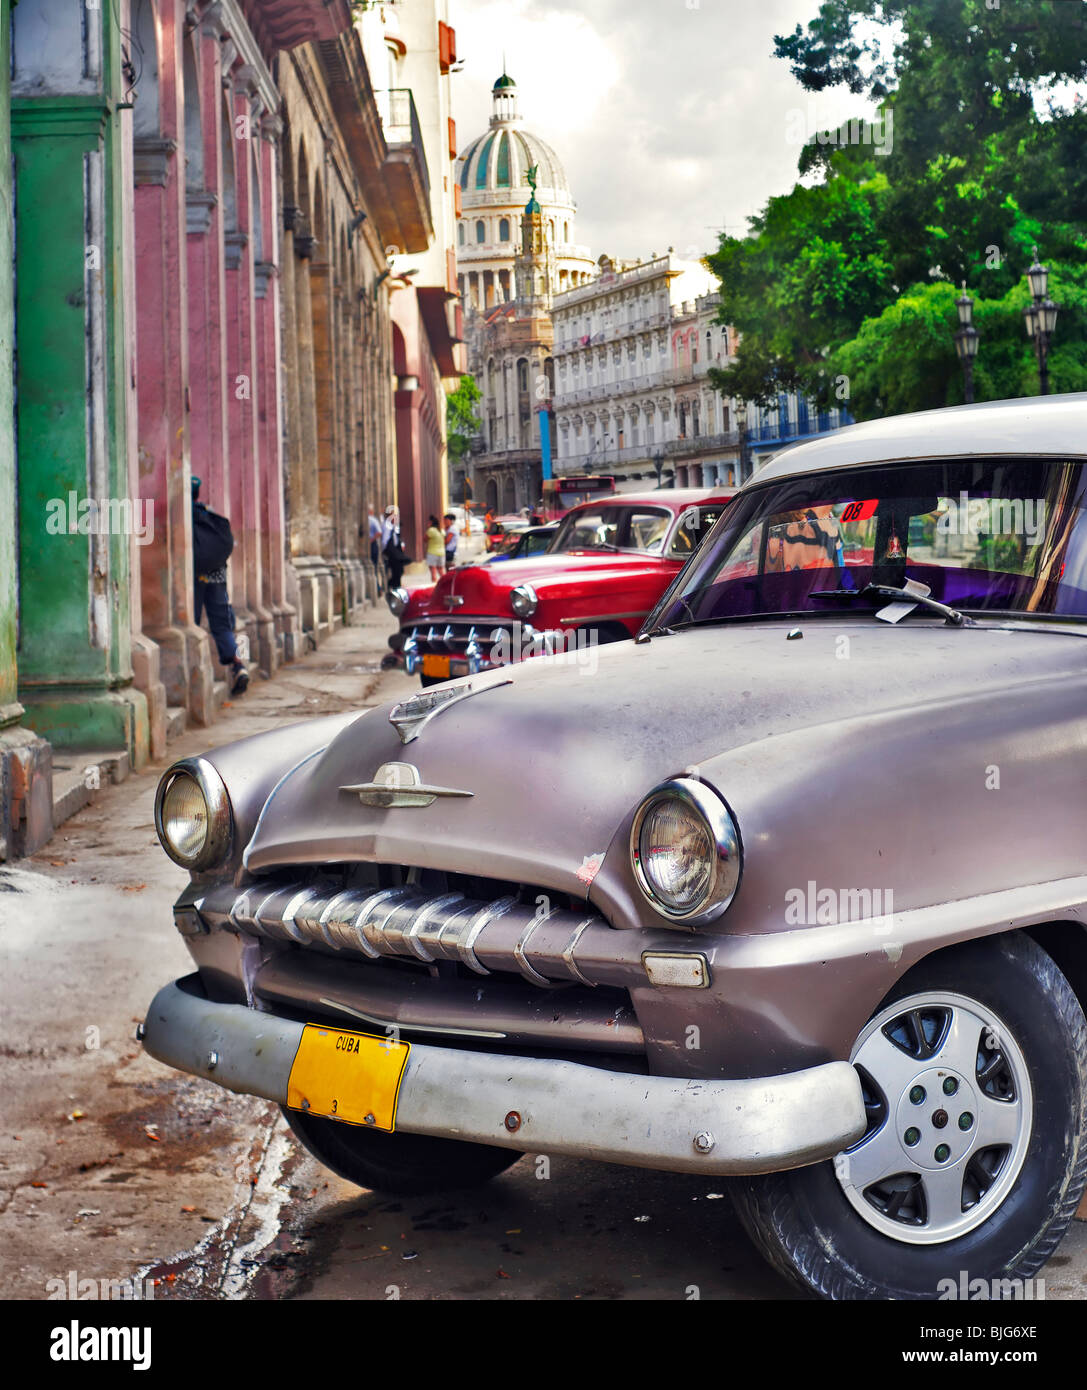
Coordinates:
460 417
905 360
854 275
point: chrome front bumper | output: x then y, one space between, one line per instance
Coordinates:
760 1125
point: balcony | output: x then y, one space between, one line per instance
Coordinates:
782 430
405 171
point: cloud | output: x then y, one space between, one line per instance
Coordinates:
671 117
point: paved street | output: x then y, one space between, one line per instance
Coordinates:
112 1166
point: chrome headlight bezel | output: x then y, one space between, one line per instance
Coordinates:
728 850
220 816
398 600
524 601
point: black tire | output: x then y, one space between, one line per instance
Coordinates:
400 1164
807 1228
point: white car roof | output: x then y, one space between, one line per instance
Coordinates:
1032 425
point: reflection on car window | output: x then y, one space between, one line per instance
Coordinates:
593 529
693 525
646 530
999 534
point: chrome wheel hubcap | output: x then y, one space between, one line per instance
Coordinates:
949 1107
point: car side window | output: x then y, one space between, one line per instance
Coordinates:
591 529
693 525
645 530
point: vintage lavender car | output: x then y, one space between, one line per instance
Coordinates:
791 891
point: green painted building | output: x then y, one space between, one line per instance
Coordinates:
26 802
77 521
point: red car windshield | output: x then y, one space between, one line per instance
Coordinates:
993 535
610 527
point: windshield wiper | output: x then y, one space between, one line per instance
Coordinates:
917 593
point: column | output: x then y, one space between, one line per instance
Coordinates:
26 767
77 522
162 359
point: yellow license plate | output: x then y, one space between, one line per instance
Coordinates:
347 1076
435 665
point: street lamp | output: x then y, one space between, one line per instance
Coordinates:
966 342
604 439
1040 317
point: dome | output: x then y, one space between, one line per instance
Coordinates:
501 159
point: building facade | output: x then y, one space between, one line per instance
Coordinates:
211 199
494 188
616 341
633 399
516 249
417 48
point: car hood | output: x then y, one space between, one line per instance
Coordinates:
485 588
558 751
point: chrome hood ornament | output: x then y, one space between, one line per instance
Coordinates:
399 784
409 717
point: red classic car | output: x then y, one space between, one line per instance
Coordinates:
610 561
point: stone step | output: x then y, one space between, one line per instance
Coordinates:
177 721
78 776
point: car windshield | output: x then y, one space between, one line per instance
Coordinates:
613 528
988 535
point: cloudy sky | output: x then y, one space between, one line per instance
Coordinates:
672 117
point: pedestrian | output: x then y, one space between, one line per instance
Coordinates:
450 540
375 529
391 547
435 549
212 542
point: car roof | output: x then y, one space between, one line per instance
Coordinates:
675 498
1031 425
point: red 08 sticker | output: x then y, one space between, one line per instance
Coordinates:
859 511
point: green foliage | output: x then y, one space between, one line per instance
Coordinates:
460 417
854 275
905 360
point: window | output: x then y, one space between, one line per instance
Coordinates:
522 375
481 233
460 234
504 229
693 525
1017 544
647 530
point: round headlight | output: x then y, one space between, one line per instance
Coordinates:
685 849
397 599
192 814
523 601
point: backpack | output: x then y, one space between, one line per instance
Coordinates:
212 540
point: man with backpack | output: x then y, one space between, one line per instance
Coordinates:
392 547
212 543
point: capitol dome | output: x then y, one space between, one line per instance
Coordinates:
492 173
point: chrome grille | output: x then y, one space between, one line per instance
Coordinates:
552 946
